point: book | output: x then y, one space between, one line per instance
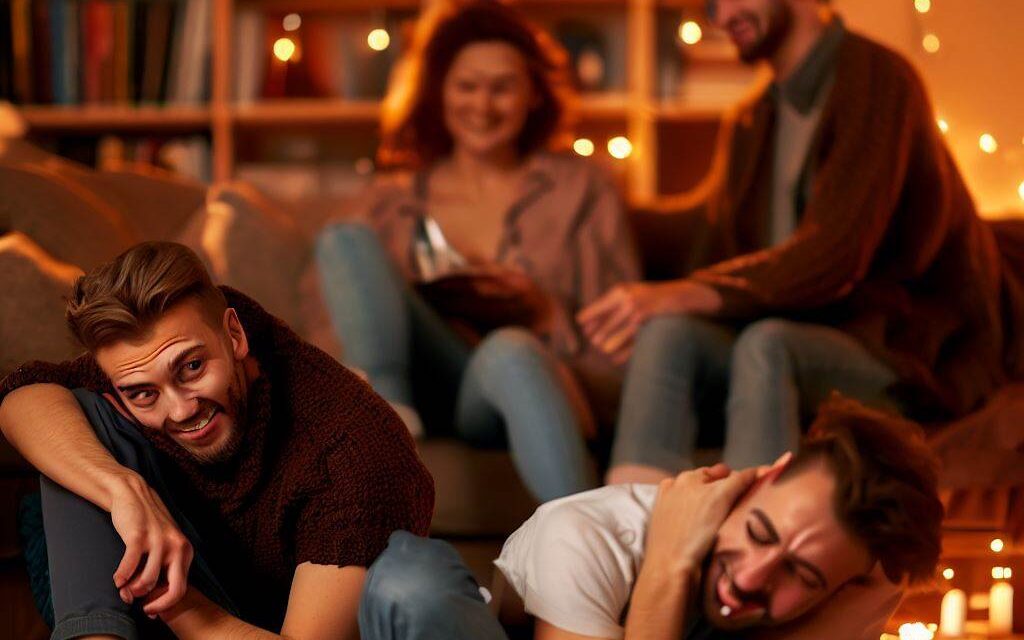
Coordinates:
21 50
250 53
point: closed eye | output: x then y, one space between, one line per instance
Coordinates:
759 540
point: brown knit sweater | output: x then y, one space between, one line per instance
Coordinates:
889 247
326 470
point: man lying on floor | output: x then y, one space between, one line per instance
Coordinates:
279 469
819 545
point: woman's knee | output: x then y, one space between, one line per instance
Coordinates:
672 338
764 345
509 349
344 238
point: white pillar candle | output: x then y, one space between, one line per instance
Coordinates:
1000 609
954 613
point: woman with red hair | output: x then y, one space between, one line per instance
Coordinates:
457 290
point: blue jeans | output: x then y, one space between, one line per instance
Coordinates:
506 391
770 376
419 589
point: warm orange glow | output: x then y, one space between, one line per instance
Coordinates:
943 126
988 144
690 32
620 147
378 40
284 49
996 544
584 147
997 573
931 43
923 6
1020 190
948 573
915 631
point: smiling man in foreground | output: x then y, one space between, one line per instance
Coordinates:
206 427
819 545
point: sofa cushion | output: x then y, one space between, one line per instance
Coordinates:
251 243
32 308
156 204
478 492
69 221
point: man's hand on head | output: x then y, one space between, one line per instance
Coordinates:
157 555
688 512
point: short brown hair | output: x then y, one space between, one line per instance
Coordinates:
886 491
121 298
413 133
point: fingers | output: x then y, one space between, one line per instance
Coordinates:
605 304
147 579
163 598
716 472
129 562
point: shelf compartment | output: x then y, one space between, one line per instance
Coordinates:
89 118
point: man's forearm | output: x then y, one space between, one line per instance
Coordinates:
199 618
45 423
659 607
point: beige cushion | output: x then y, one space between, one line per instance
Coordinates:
250 246
68 221
32 306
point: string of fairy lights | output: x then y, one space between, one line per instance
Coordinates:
932 45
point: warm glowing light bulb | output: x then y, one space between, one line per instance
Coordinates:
690 32
997 573
948 573
292 22
378 39
931 43
584 147
1007 573
620 147
996 544
923 6
943 125
988 144
1020 190
284 49
932 627
915 631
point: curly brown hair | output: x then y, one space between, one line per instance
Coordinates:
886 492
413 133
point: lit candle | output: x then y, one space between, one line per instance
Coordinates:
1000 609
954 612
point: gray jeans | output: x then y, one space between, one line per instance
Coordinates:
770 376
84 549
419 589
505 391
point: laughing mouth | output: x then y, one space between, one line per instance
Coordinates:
202 423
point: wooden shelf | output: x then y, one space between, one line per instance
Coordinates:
687 112
331 6
313 111
115 118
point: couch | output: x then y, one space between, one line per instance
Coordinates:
58 218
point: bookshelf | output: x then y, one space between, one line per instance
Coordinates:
636 106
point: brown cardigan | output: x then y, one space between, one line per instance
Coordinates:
889 246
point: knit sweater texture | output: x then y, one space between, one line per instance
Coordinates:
325 473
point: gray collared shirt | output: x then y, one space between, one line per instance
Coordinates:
799 102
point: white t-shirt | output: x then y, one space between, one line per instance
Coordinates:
575 560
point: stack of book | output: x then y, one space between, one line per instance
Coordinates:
71 52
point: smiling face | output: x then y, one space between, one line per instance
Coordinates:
185 376
756 27
487 97
780 553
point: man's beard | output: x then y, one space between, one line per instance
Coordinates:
238 404
779 23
